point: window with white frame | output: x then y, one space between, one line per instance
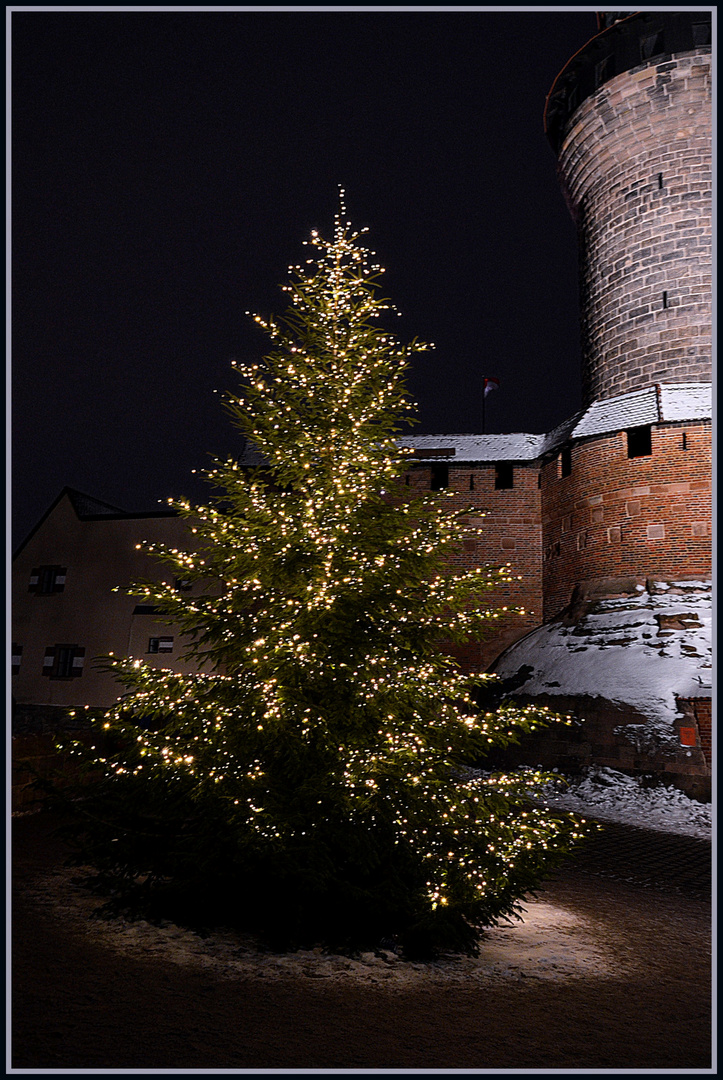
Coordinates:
64 661
160 645
46 580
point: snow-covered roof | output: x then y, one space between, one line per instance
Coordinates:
651 405
517 447
629 410
686 401
640 651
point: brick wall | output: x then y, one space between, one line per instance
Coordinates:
635 165
504 529
697 717
615 516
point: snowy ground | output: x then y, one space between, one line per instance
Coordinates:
612 796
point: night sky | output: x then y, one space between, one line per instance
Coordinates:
167 168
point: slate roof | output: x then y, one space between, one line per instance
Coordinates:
517 447
651 405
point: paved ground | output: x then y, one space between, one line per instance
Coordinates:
675 864
637 901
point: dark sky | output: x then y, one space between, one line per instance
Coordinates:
167 168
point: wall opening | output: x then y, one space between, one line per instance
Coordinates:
566 461
440 477
504 475
639 441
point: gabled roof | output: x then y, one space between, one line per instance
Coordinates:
89 509
87 506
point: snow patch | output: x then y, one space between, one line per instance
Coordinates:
609 795
639 652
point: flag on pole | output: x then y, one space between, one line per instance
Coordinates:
491 384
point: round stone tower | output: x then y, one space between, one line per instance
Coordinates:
630 119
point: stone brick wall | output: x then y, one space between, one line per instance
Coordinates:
635 165
504 530
615 516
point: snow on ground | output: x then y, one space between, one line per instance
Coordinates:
612 796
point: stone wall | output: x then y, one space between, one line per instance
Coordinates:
635 165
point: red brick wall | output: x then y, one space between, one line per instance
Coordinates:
508 533
697 714
616 516
636 168
703 710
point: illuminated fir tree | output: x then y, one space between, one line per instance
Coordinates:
311 780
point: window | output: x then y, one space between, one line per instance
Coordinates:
64 661
17 655
471 483
183 584
504 475
639 442
45 580
685 440
440 477
701 34
566 461
604 70
652 46
160 644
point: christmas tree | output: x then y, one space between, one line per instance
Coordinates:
311 780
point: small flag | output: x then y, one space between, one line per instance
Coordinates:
491 384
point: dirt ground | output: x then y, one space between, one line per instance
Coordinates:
601 974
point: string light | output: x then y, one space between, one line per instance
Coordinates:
320 592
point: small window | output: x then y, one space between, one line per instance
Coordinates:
504 475
701 34
566 461
685 440
160 645
471 483
652 46
183 584
17 655
45 580
604 70
440 477
639 442
64 661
